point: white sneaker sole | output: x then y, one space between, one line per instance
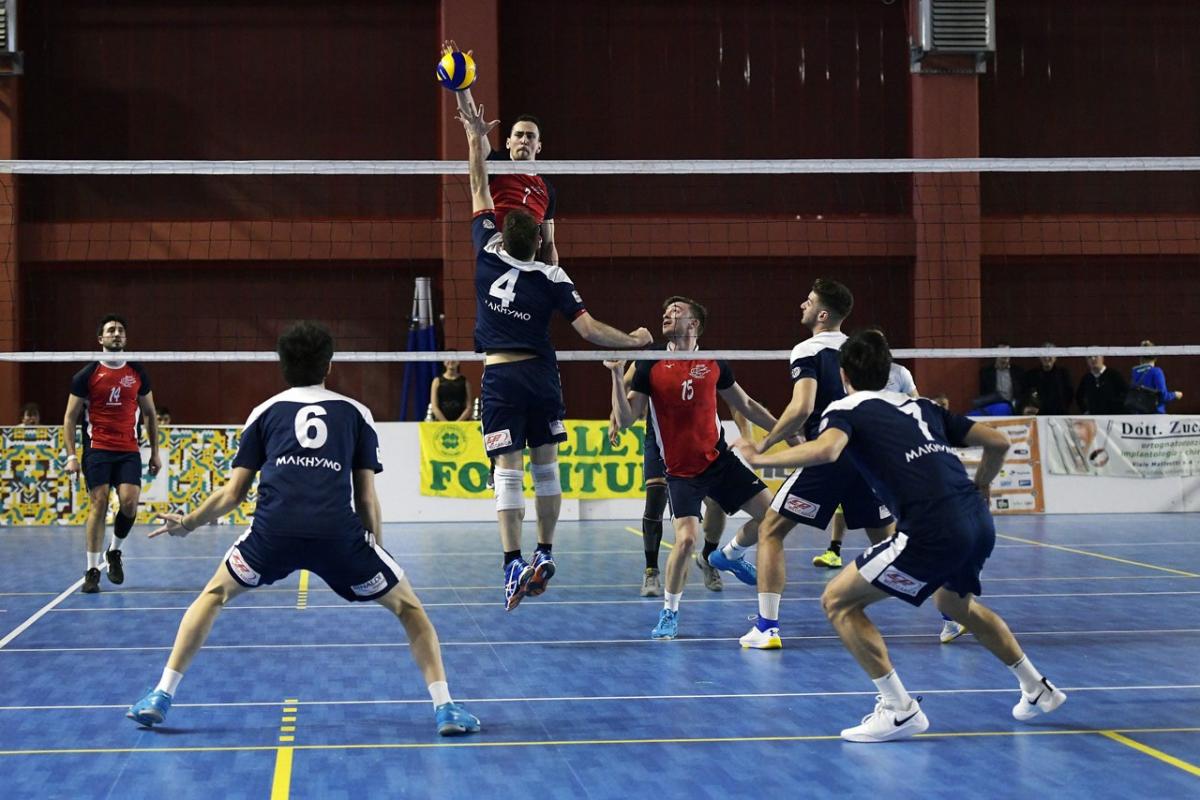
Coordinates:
918 724
947 638
756 640
1025 711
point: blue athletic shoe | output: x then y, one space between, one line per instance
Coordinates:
151 710
454 720
516 582
543 571
668 625
742 569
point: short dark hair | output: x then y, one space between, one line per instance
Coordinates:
698 311
527 118
520 234
834 297
305 350
31 408
866 359
107 318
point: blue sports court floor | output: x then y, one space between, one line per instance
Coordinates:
576 700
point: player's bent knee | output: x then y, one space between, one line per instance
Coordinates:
545 479
510 494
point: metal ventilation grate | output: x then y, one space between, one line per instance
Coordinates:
958 26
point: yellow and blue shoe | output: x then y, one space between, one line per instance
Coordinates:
828 559
762 639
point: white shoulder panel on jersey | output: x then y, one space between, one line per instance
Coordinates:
309 394
818 342
554 274
852 401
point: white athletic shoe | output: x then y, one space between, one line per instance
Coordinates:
951 631
885 724
762 640
1046 699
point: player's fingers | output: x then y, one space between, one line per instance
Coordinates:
157 532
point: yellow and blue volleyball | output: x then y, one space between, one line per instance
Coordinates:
456 71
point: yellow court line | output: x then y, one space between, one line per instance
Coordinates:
302 592
281 784
638 534
1150 751
573 742
1099 555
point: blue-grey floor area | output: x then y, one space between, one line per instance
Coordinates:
576 700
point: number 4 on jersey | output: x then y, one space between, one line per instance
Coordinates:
505 287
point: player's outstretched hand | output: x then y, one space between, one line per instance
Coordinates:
474 123
747 449
643 337
172 524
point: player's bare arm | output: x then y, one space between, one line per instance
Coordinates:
150 415
627 406
217 505
477 130
799 408
366 502
737 399
825 449
603 335
549 252
995 444
70 423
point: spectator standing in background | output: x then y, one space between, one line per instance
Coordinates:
1052 385
1147 374
1101 390
450 394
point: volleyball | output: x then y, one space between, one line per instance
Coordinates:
456 71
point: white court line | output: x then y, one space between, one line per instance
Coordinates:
744 598
606 698
41 612
557 642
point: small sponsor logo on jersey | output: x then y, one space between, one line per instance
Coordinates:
497 439
900 581
491 226
557 427
801 507
795 373
128 381
241 569
578 299
373 586
114 396
308 461
699 371
524 316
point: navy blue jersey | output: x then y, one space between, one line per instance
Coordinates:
514 300
817 358
902 446
307 441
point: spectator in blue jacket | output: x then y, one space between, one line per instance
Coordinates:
1146 374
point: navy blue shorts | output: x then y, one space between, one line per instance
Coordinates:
108 467
945 544
354 567
811 495
522 404
727 481
652 462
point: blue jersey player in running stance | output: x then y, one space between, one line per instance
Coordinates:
902 447
312 447
521 396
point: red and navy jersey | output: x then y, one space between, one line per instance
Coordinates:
683 402
110 400
514 300
817 358
307 442
529 193
904 449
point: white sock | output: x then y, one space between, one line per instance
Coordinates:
1027 674
671 601
440 692
893 691
115 544
94 560
768 605
169 681
734 551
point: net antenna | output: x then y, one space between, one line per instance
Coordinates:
12 61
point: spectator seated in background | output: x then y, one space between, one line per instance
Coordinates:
1032 405
1052 384
1101 390
31 414
450 394
999 382
1148 376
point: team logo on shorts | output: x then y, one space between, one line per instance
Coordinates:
241 569
373 586
900 581
801 507
557 427
128 381
699 371
498 439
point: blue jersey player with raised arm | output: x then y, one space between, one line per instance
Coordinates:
314 448
902 447
516 296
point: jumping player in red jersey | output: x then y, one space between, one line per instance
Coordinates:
532 194
683 397
112 394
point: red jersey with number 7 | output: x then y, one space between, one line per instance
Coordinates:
683 397
110 397
529 193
